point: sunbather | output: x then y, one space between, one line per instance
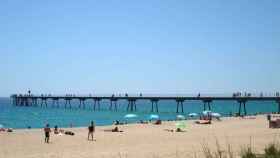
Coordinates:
177 130
69 133
116 129
9 130
158 122
203 122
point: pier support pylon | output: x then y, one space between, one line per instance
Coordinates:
20 101
34 102
67 101
131 105
207 103
16 101
25 101
180 103
44 101
240 107
244 107
96 102
82 102
154 102
115 103
278 101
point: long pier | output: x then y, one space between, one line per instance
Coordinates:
31 100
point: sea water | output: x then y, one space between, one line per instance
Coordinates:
36 117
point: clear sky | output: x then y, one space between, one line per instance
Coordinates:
148 46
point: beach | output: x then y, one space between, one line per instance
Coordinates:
140 140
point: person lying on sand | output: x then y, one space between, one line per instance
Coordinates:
203 122
116 129
9 130
6 130
158 122
69 133
177 130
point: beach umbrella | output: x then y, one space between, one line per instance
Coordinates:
206 112
128 116
180 117
154 117
193 114
215 114
181 124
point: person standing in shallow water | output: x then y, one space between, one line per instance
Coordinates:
47 131
91 130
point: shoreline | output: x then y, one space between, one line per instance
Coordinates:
169 120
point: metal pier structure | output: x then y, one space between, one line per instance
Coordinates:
32 100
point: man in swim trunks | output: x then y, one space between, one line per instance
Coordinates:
47 131
91 129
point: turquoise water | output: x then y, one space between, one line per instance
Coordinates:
36 117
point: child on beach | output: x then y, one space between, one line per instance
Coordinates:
47 131
56 130
91 129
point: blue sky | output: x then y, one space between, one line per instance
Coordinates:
149 46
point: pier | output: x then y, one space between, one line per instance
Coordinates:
32 100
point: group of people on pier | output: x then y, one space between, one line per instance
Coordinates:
235 94
246 94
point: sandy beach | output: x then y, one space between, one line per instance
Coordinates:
139 140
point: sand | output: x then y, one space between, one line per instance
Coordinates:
139 140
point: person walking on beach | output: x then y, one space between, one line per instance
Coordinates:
91 129
47 131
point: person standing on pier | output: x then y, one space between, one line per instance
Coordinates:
91 130
47 131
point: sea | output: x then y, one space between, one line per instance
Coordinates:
20 117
